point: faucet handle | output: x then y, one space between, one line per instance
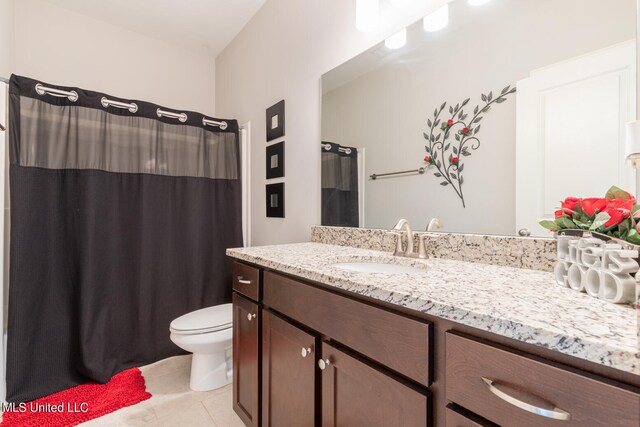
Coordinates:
398 236
422 246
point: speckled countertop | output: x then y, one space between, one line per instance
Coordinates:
525 305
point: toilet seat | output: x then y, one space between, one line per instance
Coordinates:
203 321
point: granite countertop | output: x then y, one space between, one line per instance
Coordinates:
525 305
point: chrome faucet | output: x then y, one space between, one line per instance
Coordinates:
404 225
434 223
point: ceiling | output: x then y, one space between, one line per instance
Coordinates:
205 26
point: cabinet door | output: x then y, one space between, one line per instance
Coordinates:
355 394
288 374
246 359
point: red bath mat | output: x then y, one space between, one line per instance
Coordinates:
81 403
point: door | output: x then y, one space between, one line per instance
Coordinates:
246 359
288 374
570 132
356 394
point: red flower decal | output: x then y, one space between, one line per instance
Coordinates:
454 160
465 131
449 123
427 159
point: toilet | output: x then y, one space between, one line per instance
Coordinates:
207 334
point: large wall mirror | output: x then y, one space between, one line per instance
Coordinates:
485 124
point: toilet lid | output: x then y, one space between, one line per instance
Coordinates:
210 319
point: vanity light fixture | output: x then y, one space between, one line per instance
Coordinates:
478 2
436 20
367 15
632 146
401 3
397 40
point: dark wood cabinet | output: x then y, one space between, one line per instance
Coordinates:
354 394
288 374
307 354
246 280
246 359
399 343
509 388
460 417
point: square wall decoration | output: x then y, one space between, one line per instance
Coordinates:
275 160
275 200
275 121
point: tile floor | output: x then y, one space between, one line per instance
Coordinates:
173 403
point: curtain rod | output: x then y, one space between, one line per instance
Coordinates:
341 149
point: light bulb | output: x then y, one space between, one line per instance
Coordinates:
367 15
478 2
436 20
397 40
401 3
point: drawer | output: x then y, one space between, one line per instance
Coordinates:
460 417
400 343
508 387
246 280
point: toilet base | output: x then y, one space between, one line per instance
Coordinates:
210 371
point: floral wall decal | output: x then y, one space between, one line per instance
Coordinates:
446 155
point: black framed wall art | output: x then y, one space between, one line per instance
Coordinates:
275 200
275 160
275 121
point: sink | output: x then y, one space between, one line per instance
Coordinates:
377 267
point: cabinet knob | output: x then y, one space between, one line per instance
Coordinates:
305 351
323 363
250 316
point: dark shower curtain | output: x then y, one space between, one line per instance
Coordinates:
339 185
119 224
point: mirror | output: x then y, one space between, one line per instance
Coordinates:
485 124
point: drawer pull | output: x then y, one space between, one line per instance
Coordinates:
243 281
251 316
555 413
305 351
323 363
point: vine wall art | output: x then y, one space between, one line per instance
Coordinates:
446 155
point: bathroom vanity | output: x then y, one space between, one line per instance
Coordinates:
456 344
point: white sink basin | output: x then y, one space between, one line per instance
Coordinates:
377 267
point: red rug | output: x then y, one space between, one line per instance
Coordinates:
81 403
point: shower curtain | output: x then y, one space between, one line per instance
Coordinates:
119 224
339 185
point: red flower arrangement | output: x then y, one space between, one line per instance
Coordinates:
616 215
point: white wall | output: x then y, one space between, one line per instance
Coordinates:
281 54
6 38
386 109
61 47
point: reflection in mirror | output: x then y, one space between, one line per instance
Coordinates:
485 124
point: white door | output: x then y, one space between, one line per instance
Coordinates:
570 132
